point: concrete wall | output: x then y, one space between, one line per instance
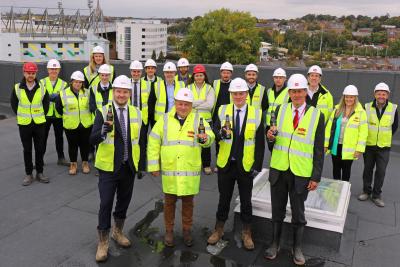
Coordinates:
335 80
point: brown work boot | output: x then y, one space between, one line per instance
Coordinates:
41 178
27 180
169 238
102 247
217 234
187 238
248 243
118 235
85 167
73 168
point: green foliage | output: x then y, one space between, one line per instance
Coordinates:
161 57
153 55
223 35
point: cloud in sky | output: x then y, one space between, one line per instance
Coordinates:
259 8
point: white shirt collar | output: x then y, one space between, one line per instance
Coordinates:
117 106
241 109
104 85
300 109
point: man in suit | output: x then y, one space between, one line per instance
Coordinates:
116 132
296 138
239 158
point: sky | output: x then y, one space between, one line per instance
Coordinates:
190 8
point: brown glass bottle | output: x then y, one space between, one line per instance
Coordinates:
202 130
228 127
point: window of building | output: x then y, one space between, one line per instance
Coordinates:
43 53
143 43
60 45
9 55
42 45
143 36
143 49
26 53
60 53
143 29
76 45
9 44
143 56
25 45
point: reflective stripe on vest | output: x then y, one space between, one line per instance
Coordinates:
252 123
273 102
325 103
256 100
105 152
380 131
28 111
294 148
161 94
99 97
75 110
94 77
59 85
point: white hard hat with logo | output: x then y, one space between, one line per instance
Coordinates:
136 65
251 67
238 85
315 69
150 63
382 87
350 90
297 81
184 94
98 50
105 69
53 64
226 66
183 62
169 66
279 72
78 76
122 81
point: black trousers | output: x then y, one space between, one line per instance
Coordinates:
78 138
226 184
58 133
294 187
341 168
206 157
379 157
120 183
35 132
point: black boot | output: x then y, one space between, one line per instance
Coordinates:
298 256
273 250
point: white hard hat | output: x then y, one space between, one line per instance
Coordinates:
105 69
169 66
183 62
150 63
122 81
382 87
238 85
98 50
315 69
136 65
251 67
184 94
350 90
226 66
53 64
77 75
279 72
297 81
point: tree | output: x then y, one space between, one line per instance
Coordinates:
153 55
223 35
161 57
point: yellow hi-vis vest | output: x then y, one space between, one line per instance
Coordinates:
93 77
217 88
258 95
145 87
178 80
205 89
161 94
28 111
355 132
174 150
98 96
294 148
380 131
105 152
325 103
59 85
225 146
273 102
75 110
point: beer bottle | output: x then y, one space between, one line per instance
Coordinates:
228 127
110 117
273 123
202 130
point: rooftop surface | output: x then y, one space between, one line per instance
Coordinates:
55 224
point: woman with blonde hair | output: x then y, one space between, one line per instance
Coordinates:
97 58
346 133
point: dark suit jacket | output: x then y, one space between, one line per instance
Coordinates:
96 138
318 157
259 145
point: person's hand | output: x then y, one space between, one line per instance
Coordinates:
203 137
312 185
156 174
270 133
53 97
357 154
325 150
106 128
254 173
